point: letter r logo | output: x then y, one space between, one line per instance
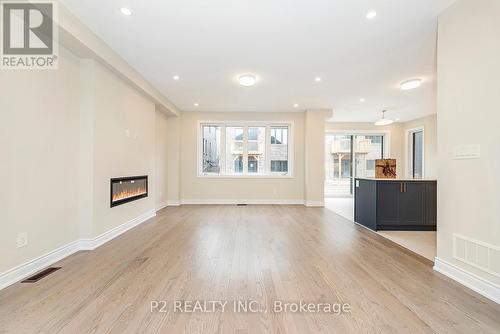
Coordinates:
27 28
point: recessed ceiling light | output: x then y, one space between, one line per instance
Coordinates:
296 105
196 104
176 77
247 80
362 100
411 84
371 15
317 79
397 119
126 11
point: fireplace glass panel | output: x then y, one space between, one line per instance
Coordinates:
128 189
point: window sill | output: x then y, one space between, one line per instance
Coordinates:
214 176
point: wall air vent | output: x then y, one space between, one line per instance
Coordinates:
478 254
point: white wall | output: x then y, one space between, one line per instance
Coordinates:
173 160
124 145
39 162
63 135
469 113
194 188
161 159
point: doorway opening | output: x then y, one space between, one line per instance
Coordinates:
348 155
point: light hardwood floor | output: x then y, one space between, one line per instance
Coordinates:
261 253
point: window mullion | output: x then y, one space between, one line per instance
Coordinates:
245 150
223 149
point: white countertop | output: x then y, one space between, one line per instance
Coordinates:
396 179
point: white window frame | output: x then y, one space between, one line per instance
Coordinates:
245 125
409 150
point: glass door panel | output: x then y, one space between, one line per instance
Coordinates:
338 165
367 148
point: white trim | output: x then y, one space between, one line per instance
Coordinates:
314 204
26 269
173 203
91 244
232 201
408 160
162 205
468 279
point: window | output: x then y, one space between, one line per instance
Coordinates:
211 149
234 150
248 150
349 155
370 164
416 153
279 149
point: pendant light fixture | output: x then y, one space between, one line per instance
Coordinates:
383 121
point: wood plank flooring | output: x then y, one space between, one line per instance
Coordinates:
262 253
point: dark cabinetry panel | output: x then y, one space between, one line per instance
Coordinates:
412 203
396 205
388 202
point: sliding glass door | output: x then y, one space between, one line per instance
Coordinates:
338 166
348 156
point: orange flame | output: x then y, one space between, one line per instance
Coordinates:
129 193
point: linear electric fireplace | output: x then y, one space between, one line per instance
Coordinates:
128 189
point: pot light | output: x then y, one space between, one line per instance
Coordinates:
176 77
371 15
196 104
362 100
383 121
296 105
411 84
247 80
317 79
126 11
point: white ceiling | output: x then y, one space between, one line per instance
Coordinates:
286 44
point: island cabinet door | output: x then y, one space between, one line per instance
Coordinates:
412 203
388 198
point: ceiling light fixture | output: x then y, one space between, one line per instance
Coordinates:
383 121
126 11
296 105
371 15
362 100
317 79
176 77
247 80
196 104
411 84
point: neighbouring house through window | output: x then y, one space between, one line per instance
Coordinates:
260 149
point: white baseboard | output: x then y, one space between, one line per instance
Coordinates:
468 279
162 205
24 270
29 268
173 203
314 203
232 201
91 244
